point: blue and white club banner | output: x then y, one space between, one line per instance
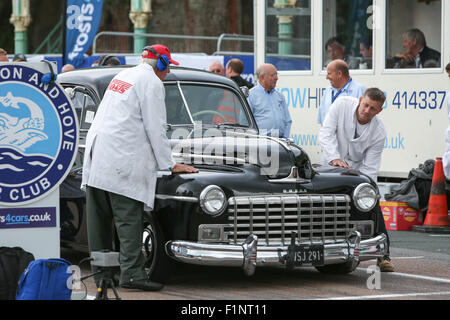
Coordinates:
83 20
38 135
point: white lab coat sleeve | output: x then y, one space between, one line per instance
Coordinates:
446 157
372 158
322 112
448 104
153 110
328 135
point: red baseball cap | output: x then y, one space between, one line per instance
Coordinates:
162 50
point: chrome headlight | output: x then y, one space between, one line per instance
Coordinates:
365 197
213 200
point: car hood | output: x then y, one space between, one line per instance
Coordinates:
221 147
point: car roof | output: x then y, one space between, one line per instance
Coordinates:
99 78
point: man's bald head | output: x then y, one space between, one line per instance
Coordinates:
67 67
340 65
217 67
267 76
338 73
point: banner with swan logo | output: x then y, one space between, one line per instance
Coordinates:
38 135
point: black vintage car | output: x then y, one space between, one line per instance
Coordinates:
256 201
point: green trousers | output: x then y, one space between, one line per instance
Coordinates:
105 208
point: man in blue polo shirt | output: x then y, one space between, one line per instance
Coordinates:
341 85
268 105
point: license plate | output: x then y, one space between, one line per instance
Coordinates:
306 254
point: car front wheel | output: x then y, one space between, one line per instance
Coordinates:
157 263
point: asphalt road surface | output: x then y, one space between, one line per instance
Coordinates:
422 272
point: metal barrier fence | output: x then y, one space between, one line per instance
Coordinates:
123 42
226 44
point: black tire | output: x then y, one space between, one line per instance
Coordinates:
157 264
342 268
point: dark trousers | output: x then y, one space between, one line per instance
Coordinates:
103 208
382 226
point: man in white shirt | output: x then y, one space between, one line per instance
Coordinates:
125 146
446 157
352 136
447 68
269 105
341 84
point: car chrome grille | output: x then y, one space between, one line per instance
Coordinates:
273 218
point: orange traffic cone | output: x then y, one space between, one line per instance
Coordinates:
437 214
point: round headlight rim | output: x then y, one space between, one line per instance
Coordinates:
358 189
203 196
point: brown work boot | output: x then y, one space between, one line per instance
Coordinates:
385 264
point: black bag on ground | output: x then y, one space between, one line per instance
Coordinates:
13 262
415 191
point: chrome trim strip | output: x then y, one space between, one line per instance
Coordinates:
186 106
176 198
292 178
277 140
208 157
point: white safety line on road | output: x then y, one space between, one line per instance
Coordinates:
387 296
439 235
406 258
414 276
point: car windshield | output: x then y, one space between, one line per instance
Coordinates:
207 105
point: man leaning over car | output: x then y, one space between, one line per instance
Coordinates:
352 136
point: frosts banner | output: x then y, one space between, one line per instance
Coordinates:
82 22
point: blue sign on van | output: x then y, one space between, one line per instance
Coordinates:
38 135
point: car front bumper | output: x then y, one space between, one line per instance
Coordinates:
249 255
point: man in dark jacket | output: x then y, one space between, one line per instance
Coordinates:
417 54
234 69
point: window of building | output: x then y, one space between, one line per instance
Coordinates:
288 34
347 32
413 34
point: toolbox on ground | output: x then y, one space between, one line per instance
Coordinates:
398 216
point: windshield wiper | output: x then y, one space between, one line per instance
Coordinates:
171 126
230 124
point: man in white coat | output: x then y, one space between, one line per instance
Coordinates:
352 136
125 146
446 157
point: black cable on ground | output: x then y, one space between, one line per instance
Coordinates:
80 280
